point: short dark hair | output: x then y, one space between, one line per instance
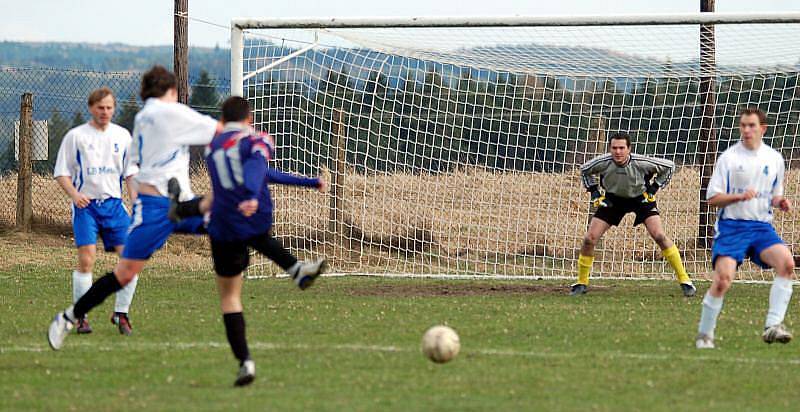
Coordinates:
762 117
156 82
620 136
235 109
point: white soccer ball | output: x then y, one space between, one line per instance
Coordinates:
440 344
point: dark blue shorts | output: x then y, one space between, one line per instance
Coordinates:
150 227
743 238
108 218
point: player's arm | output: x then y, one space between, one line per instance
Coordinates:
193 128
129 169
778 200
591 182
132 186
663 170
65 165
282 178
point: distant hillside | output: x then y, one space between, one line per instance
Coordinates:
111 57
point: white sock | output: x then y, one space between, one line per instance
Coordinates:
779 296
70 314
81 282
125 296
708 318
295 269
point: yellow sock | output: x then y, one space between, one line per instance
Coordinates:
584 268
673 256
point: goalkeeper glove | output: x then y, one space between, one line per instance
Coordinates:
649 194
598 199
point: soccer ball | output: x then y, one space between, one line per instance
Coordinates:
440 344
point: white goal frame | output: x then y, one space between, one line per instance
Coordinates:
240 25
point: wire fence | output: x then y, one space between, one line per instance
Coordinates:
59 104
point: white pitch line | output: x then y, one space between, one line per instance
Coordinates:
498 277
358 347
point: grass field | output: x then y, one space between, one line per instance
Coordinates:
353 344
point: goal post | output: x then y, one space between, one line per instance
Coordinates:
454 142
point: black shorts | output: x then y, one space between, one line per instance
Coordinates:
232 258
621 206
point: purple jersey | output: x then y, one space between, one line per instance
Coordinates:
237 164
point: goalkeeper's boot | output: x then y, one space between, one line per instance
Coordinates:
578 289
60 327
247 373
703 341
304 274
83 326
174 192
776 333
688 289
123 323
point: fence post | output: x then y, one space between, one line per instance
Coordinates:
595 147
25 173
337 173
707 144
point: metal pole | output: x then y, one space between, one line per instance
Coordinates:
181 49
707 145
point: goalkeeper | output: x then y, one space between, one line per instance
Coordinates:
629 182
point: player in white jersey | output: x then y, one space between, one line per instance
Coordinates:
163 131
90 168
746 185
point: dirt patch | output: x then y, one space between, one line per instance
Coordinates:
456 288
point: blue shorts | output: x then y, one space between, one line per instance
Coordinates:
151 227
743 238
108 218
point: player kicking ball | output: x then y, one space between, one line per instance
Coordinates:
90 167
163 131
630 182
746 185
241 218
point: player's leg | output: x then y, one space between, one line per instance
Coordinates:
178 210
724 272
779 258
670 252
597 228
82 280
85 229
230 259
114 233
122 304
303 274
148 233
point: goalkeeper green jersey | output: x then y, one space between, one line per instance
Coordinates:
629 179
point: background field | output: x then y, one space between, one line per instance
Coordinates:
469 221
353 344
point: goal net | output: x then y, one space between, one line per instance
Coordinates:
454 146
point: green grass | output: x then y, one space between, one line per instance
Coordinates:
353 344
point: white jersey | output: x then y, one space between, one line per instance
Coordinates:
738 170
162 134
96 160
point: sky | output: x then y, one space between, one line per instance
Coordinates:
149 22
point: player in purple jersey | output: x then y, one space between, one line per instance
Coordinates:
241 218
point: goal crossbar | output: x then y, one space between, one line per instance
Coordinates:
516 21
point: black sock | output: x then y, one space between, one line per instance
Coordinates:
189 208
100 290
273 249
234 328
